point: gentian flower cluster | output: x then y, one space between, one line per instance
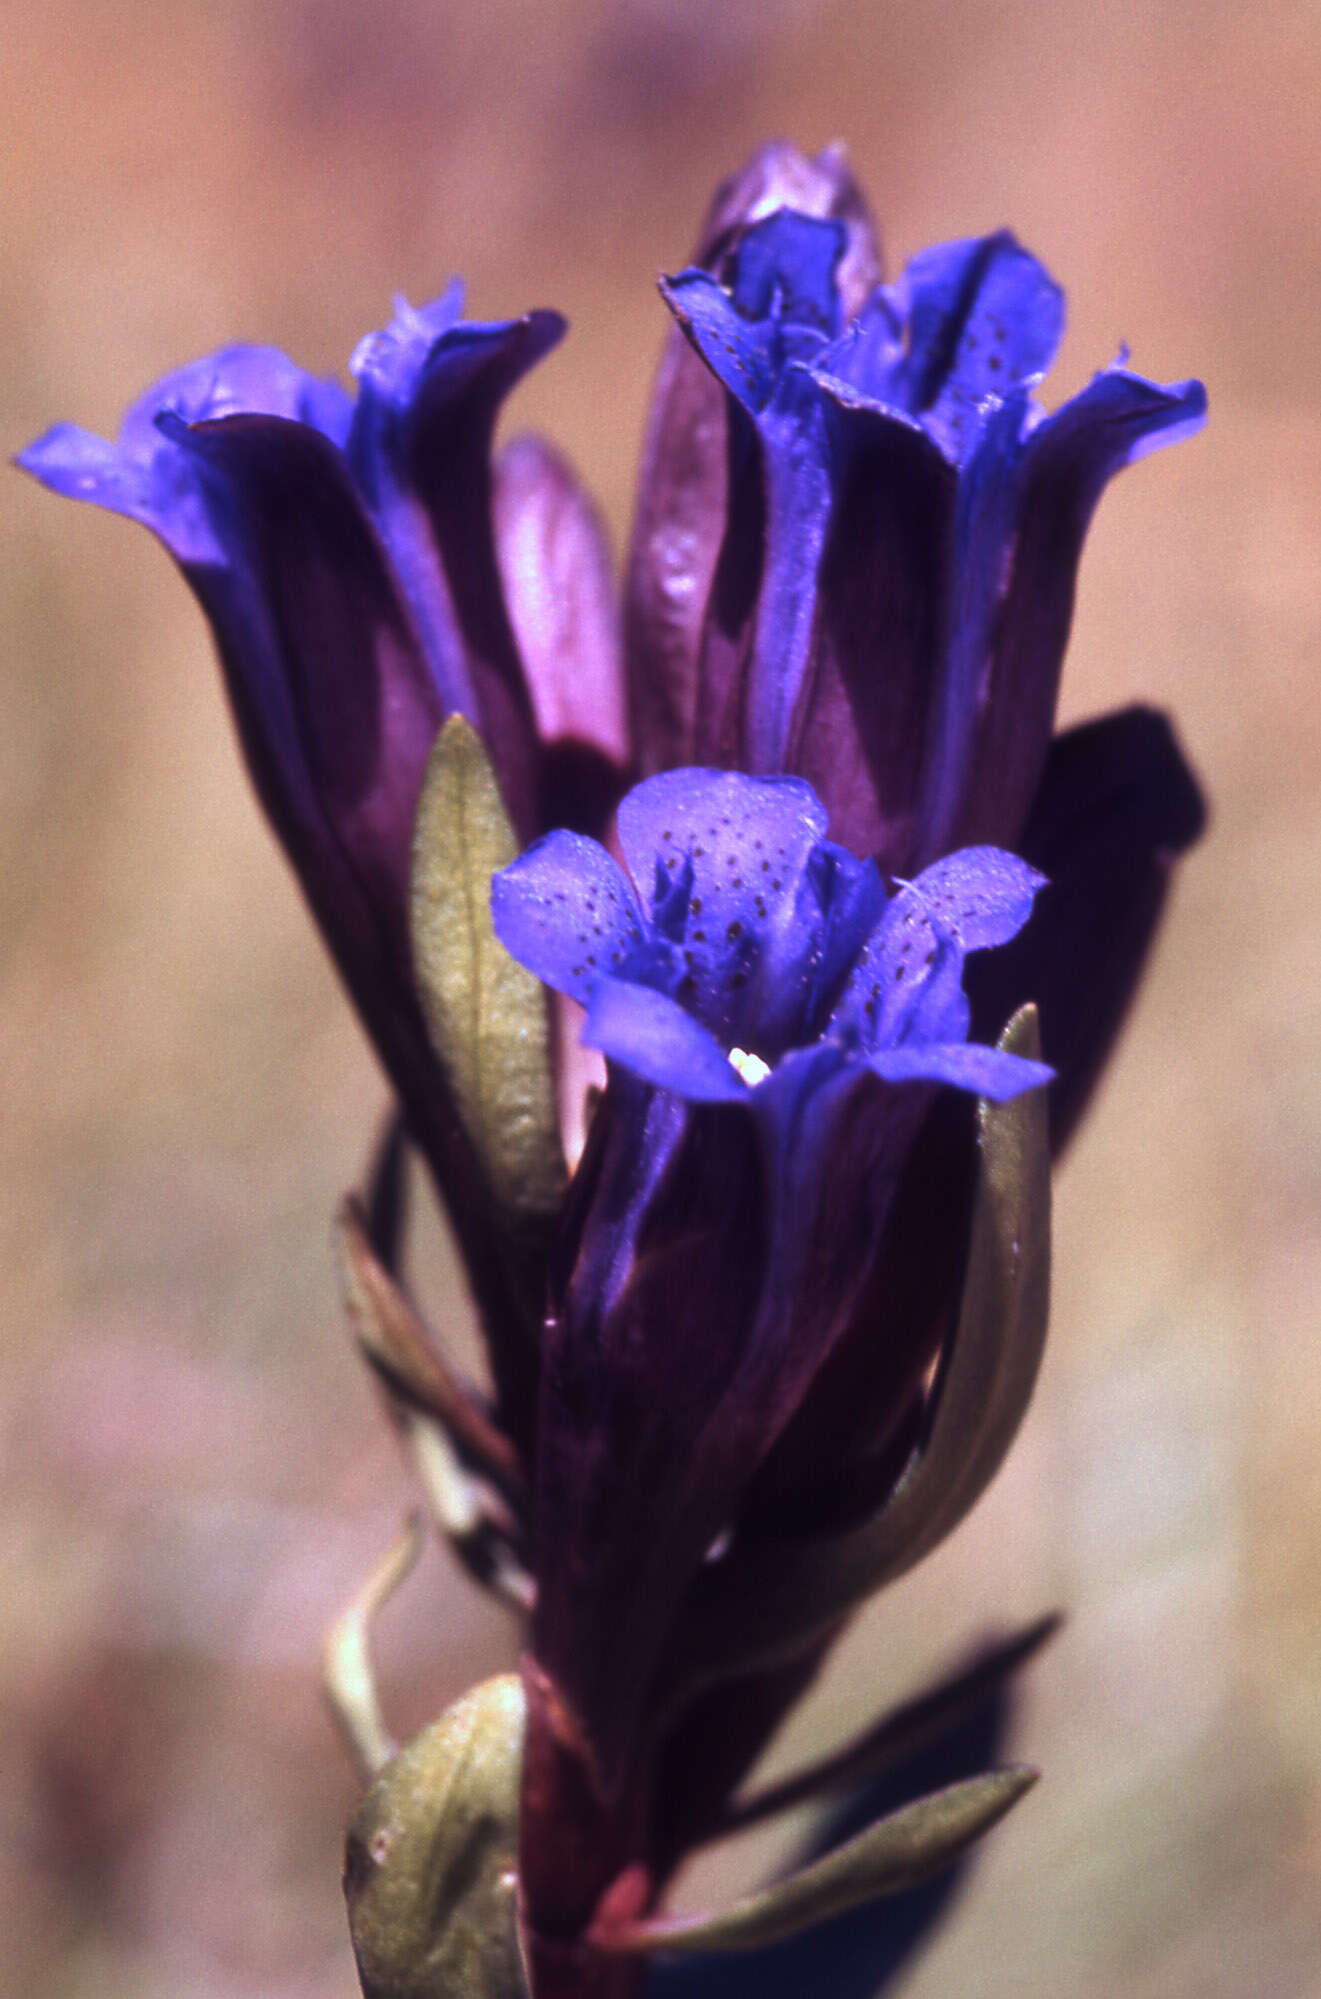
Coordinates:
766 1342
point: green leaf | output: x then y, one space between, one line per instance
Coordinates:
992 1368
890 1856
486 1014
768 1604
901 1733
430 1864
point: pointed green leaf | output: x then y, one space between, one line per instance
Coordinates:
890 1856
430 1866
901 1733
486 1014
768 1604
991 1371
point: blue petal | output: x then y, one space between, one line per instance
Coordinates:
567 911
783 302
765 364
744 357
391 362
1119 417
748 841
240 381
989 1072
329 688
852 899
985 528
905 953
907 984
785 269
983 316
862 363
1004 685
937 1011
800 471
980 896
144 475
651 1034
430 389
82 466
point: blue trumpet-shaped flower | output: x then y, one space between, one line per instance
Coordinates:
900 520
367 572
760 956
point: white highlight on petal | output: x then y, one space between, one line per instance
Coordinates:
750 1067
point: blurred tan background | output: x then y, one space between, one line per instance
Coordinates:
192 1474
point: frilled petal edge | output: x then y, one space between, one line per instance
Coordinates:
1119 417
141 474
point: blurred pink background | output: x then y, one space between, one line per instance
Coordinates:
193 1475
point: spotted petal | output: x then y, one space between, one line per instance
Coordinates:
567 911
980 896
907 984
983 315
748 841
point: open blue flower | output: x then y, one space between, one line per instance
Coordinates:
778 1024
749 955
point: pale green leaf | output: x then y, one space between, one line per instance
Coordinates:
769 1603
486 1014
894 1854
430 1870
896 1736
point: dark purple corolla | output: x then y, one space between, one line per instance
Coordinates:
367 572
901 525
752 965
778 1024
855 557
